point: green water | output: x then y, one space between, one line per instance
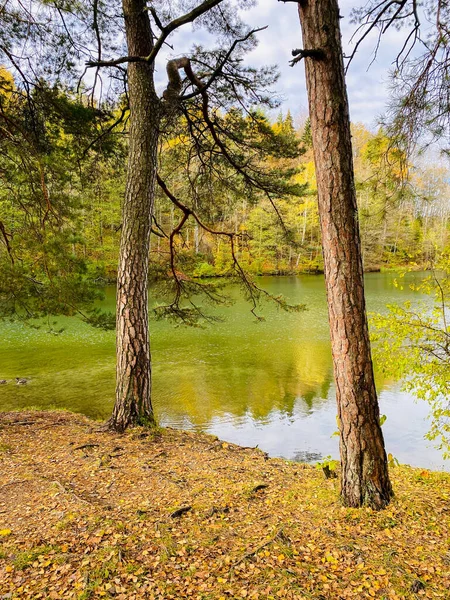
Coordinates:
266 383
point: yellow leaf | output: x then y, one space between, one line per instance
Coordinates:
5 532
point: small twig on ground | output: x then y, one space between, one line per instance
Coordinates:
278 535
216 510
261 486
215 445
158 454
69 491
14 483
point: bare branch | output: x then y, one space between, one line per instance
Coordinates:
6 241
253 291
99 46
166 30
299 54
156 18
382 16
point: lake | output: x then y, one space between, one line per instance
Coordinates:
268 384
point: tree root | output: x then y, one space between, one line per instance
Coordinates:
180 511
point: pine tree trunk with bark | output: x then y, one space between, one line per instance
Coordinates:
364 470
133 383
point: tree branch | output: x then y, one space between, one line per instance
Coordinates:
299 54
218 69
254 291
166 30
156 18
6 240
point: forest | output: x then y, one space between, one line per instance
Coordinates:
402 201
143 156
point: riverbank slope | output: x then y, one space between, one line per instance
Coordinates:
171 514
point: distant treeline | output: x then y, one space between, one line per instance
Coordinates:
403 211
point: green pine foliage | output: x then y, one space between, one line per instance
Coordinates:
49 184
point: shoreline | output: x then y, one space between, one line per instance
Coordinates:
104 281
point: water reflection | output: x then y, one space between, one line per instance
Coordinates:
268 384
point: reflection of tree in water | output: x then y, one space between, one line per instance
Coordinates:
258 380
232 371
236 369
308 457
310 397
326 386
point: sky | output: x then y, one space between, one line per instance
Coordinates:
367 80
367 84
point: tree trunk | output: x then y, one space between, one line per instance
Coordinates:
364 475
133 385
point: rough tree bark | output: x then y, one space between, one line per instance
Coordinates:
133 371
364 475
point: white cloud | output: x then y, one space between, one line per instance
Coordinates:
367 81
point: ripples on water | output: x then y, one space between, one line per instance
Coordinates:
268 384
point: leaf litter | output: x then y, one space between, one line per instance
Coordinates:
169 514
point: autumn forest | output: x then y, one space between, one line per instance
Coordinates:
154 157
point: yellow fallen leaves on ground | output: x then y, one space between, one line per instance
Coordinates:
5 532
169 515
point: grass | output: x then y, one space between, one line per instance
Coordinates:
26 558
